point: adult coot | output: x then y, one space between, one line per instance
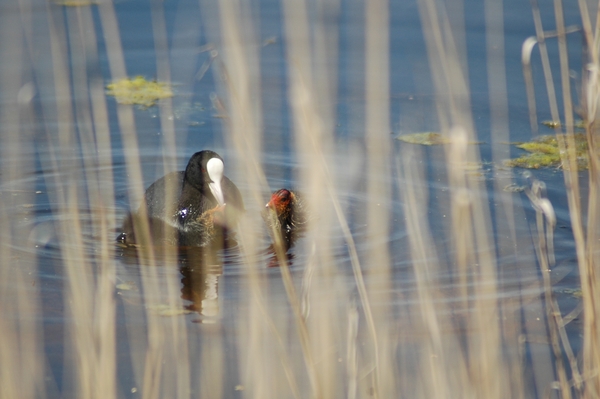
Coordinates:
286 216
205 203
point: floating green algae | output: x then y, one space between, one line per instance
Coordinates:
575 292
513 188
543 152
426 138
579 124
551 124
138 91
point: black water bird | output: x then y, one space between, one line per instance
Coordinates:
204 205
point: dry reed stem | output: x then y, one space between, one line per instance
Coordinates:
589 278
240 73
312 125
377 126
176 381
177 330
584 245
101 201
314 131
294 303
21 344
539 30
91 367
572 183
351 353
552 315
474 247
526 50
155 336
435 376
505 214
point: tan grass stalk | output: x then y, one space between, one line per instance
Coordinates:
313 127
585 261
179 377
21 344
539 30
151 380
240 73
93 369
312 139
585 242
95 143
471 221
545 213
589 277
116 61
506 214
377 128
526 50
435 376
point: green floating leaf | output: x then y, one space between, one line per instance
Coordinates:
579 124
551 124
541 148
576 292
138 91
513 188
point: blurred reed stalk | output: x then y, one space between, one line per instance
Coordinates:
584 222
161 341
239 71
21 338
311 47
587 244
483 368
79 107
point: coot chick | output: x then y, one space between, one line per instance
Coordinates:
286 216
206 204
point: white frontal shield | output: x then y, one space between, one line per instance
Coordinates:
215 167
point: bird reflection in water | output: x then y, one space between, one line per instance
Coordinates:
200 271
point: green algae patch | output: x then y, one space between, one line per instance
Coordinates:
551 124
574 292
138 91
427 138
579 124
544 152
513 188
